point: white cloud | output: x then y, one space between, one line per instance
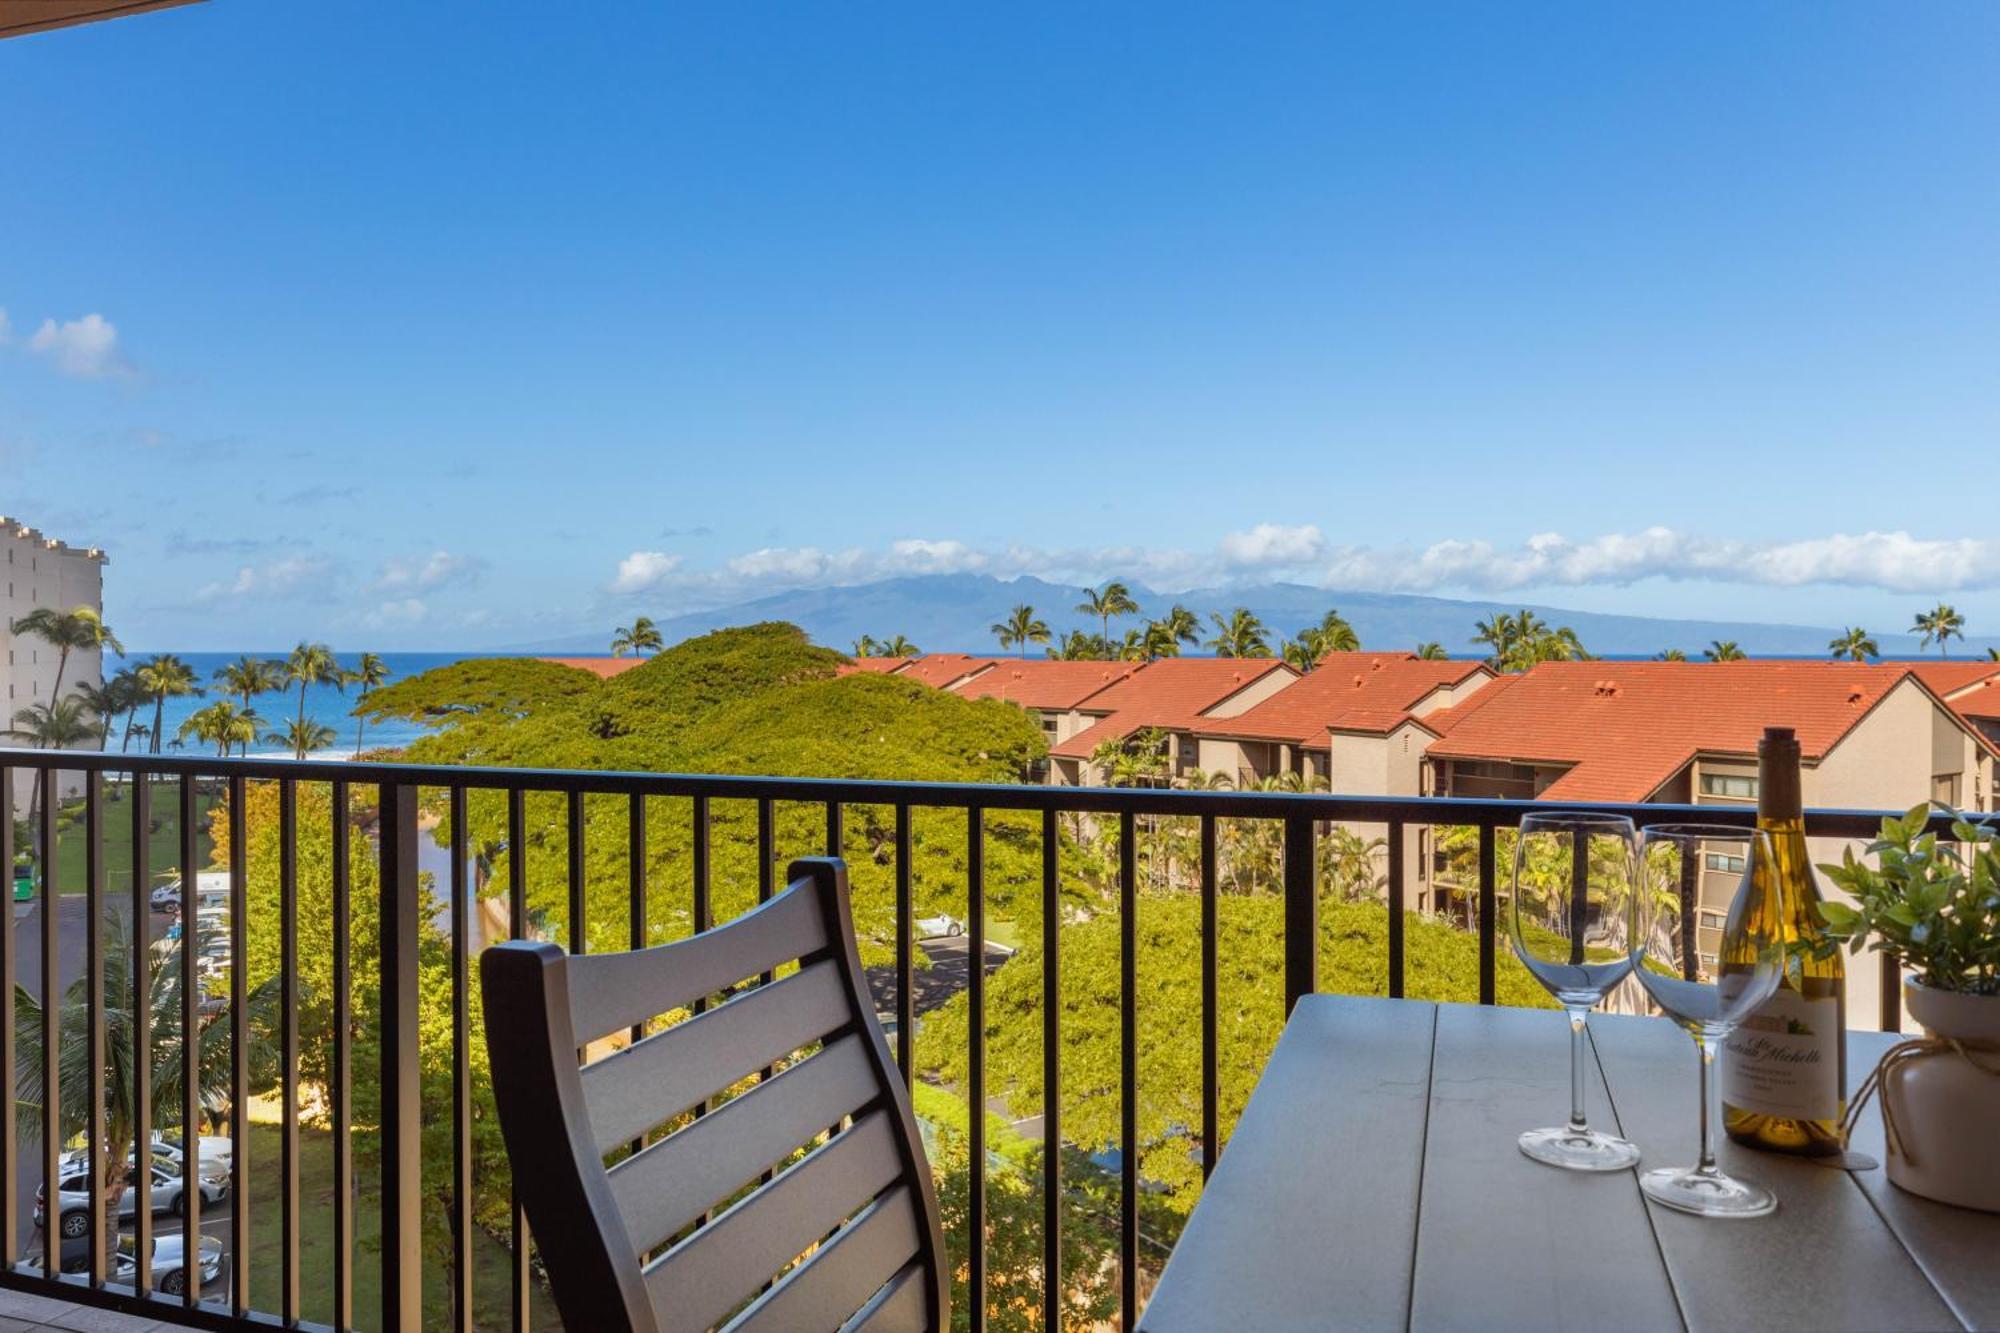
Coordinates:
1273 544
273 578
1888 561
429 572
643 570
86 348
400 611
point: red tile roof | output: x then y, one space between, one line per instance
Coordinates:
942 669
602 667
1172 693
1971 689
1346 691
1045 683
1981 700
1948 678
1626 728
884 666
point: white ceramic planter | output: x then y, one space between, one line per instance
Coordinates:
1946 1111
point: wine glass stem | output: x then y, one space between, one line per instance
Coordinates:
1711 1102
1577 1019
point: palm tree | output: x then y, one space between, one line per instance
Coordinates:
165 677
61 725
1670 655
1240 634
1302 653
370 673
1336 635
900 647
221 724
1855 645
1157 641
161 1010
1114 599
639 637
1021 628
865 646
1939 625
105 702
126 696
246 678
1723 650
1993 654
312 664
81 627
1183 624
1432 651
302 737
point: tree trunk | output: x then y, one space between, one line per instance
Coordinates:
159 711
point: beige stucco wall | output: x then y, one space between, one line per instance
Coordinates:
35 573
1256 692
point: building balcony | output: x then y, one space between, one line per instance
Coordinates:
336 1100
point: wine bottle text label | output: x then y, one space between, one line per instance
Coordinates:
1782 1060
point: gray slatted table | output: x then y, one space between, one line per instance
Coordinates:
1373 1182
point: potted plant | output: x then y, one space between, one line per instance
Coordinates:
1935 904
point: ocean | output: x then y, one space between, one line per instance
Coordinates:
324 703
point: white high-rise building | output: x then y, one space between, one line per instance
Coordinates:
36 571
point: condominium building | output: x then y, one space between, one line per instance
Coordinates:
41 571
1874 736
1178 697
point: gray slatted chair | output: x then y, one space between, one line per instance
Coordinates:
861 1201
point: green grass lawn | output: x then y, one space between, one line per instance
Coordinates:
492 1267
164 849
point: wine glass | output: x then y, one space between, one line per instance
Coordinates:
1573 916
1708 980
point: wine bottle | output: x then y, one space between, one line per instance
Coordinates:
1784 1070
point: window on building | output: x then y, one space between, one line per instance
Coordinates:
1724 862
1712 921
1735 786
1944 787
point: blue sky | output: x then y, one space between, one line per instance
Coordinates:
452 326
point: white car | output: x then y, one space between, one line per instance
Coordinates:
73 1198
167 897
939 927
218 1155
168 1267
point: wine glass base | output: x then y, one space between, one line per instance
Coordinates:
1579 1149
1706 1194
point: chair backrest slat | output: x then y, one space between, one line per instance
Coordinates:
713 1271
850 1231
621 989
843 1274
897 1308
663 1188
638 1088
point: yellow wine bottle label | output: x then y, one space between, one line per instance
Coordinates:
1784 1060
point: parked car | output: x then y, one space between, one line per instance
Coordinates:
73 1198
169 1262
167 897
939 927
218 1155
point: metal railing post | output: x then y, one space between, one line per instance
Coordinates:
402 1106
1301 912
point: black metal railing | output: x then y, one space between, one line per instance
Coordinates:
393 825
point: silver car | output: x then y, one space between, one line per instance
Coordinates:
169 1263
73 1198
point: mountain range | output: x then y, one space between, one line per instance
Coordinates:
955 612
